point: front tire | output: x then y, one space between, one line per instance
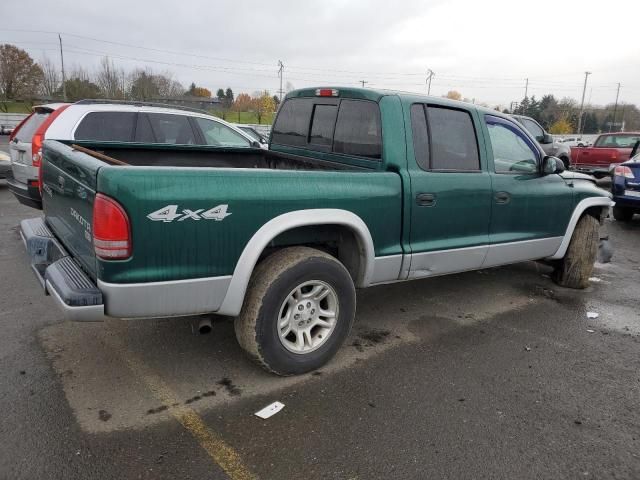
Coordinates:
574 270
622 214
299 309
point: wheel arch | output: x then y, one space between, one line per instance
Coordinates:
358 258
594 206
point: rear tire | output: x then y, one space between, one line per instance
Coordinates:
574 270
566 162
622 214
280 289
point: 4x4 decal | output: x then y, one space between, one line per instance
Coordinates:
170 213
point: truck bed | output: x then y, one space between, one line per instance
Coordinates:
211 157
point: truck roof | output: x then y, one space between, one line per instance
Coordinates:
376 94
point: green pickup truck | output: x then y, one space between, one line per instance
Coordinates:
358 188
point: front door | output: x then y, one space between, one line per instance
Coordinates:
530 210
451 192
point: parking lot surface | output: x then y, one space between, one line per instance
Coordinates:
490 374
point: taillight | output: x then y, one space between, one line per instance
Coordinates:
111 231
36 149
622 171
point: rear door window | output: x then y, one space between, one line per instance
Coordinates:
358 131
144 134
292 124
28 128
173 129
107 127
453 140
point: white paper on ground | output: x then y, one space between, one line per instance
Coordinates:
592 315
595 279
270 410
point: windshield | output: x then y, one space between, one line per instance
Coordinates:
252 133
617 141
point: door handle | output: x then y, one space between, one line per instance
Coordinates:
502 197
426 199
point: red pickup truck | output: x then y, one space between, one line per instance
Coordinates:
609 150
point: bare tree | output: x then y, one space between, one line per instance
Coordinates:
109 79
51 77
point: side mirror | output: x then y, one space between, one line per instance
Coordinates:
546 138
255 144
552 165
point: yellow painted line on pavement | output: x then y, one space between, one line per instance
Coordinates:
221 453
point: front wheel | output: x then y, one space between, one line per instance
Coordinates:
574 270
298 311
622 214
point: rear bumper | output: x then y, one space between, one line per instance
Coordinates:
82 300
26 194
627 201
61 277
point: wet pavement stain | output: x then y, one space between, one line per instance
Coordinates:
231 388
159 409
104 415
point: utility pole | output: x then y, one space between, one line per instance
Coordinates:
584 90
280 73
615 109
64 87
526 87
363 82
429 77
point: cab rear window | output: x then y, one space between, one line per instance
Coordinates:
350 127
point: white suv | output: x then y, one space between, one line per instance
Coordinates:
135 122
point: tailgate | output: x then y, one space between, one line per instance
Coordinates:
68 191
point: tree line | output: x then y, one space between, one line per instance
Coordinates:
23 79
560 116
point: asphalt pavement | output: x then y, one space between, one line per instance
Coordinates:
495 374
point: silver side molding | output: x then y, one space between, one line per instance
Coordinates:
232 303
164 299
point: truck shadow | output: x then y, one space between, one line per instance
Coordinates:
112 372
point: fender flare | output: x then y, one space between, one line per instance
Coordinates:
580 208
232 303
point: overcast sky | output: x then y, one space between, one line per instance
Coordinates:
483 49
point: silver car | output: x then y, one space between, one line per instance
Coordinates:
5 164
23 180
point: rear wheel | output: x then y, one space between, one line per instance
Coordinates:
566 162
574 270
298 311
622 214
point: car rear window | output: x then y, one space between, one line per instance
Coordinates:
106 126
28 129
170 128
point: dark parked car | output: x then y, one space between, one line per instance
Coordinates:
625 186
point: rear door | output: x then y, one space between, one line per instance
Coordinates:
451 191
20 147
529 211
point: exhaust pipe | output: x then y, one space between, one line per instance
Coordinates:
204 326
